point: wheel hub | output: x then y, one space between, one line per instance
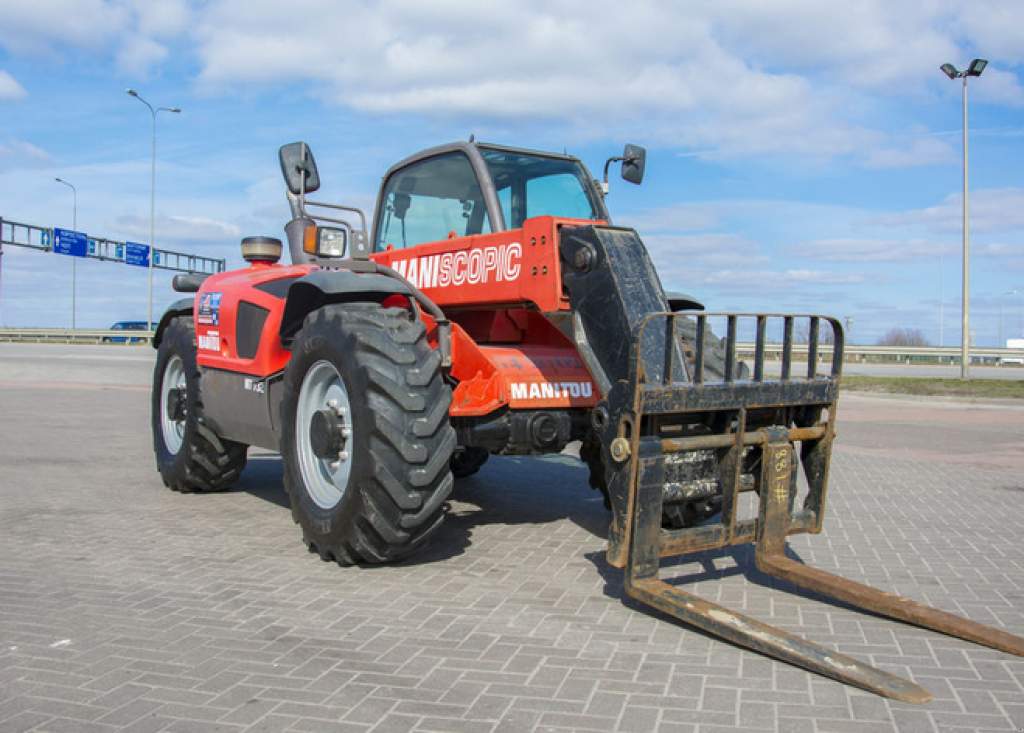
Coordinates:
176 404
328 435
173 404
323 431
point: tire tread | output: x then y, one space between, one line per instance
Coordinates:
206 462
403 493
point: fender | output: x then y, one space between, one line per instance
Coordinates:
183 307
682 302
322 287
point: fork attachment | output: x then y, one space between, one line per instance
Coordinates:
757 430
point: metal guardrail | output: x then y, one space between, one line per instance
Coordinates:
75 336
895 354
854 353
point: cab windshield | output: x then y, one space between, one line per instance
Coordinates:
535 185
441 196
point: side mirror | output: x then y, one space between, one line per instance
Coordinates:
401 204
299 168
634 158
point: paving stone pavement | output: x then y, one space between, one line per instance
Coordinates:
127 607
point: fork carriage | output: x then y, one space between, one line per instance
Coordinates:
763 433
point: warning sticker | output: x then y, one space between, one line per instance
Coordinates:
209 309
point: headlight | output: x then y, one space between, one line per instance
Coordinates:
325 242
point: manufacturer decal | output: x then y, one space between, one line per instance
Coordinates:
473 267
209 341
550 390
254 385
209 309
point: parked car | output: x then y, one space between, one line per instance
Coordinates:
128 326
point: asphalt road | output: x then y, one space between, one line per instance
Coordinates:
933 371
127 607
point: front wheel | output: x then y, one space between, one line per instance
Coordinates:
366 438
190 456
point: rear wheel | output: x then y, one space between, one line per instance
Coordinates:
190 456
714 351
366 438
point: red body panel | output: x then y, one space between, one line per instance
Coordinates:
520 266
493 287
216 313
542 372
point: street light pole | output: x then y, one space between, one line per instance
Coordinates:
1002 298
74 272
942 315
152 199
977 66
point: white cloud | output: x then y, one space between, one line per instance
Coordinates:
871 44
749 281
140 54
19 154
161 18
998 86
720 266
55 28
682 217
991 210
740 77
686 254
694 77
1013 253
995 27
869 250
919 152
175 229
43 27
10 89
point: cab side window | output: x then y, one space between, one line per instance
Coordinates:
431 200
558 194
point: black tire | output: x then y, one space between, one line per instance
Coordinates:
467 461
366 437
714 351
190 456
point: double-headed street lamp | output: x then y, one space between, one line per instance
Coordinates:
152 199
74 226
977 66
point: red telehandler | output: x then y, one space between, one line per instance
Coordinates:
493 308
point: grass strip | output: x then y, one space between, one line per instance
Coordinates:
974 388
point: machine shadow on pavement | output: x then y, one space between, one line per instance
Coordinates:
511 491
506 491
714 565
263 478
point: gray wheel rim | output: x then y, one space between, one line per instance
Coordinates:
173 431
325 480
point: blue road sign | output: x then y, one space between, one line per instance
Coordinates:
118 251
67 242
136 254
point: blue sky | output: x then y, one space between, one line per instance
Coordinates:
803 155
